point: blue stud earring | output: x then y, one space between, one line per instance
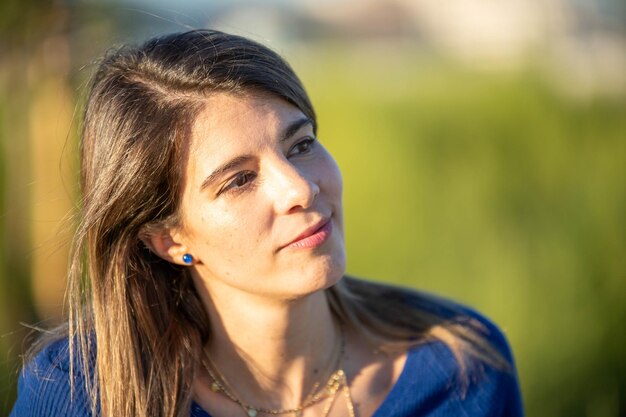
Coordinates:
187 258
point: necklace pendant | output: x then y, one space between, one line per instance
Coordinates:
252 412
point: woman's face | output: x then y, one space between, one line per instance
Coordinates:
261 206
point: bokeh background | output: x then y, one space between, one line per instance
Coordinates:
482 142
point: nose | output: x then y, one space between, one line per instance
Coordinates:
291 189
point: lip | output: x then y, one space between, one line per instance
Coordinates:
313 236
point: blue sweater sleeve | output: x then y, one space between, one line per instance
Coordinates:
44 388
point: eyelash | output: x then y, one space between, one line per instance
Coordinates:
309 142
249 176
232 187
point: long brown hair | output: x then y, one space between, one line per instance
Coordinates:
141 313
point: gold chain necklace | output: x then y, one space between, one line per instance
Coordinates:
336 382
342 382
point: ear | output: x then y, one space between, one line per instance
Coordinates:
165 243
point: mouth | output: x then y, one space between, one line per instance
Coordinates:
313 236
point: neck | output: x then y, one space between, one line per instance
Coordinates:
272 352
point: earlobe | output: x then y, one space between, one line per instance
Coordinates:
165 245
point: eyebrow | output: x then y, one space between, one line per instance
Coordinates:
288 132
295 126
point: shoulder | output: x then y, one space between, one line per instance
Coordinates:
430 386
478 387
463 366
46 387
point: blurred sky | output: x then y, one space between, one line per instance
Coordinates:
580 44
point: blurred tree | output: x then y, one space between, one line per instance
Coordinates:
35 113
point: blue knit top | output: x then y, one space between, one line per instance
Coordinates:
428 386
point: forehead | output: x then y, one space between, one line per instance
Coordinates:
230 126
228 120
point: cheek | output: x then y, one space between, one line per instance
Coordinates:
332 183
332 179
226 235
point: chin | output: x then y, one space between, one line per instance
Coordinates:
314 270
329 274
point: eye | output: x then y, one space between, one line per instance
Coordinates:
239 182
302 147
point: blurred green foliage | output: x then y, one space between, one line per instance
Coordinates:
490 188
495 190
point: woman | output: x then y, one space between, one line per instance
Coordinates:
211 239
